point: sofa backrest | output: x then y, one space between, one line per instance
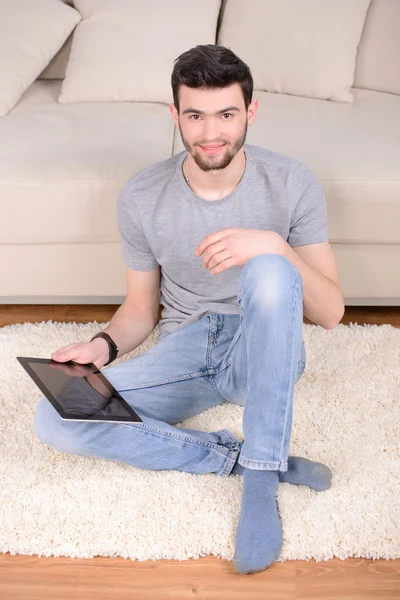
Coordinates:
378 56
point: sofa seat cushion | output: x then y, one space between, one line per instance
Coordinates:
62 165
353 148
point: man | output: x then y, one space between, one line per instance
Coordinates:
221 219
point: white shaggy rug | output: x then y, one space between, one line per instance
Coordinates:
346 415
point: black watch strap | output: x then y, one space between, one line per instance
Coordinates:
113 348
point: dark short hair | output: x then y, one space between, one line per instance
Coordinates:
209 66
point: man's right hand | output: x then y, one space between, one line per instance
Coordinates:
96 352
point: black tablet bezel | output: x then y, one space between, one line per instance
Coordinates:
25 362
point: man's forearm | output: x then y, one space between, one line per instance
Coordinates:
322 300
129 327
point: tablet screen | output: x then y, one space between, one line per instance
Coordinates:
78 391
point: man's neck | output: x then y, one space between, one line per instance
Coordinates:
217 184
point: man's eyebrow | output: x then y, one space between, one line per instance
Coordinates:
219 112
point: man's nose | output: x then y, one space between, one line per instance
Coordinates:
211 132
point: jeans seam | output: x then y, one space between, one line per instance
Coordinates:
228 435
160 433
213 384
229 463
296 287
273 465
182 377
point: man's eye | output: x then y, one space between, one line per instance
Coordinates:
230 114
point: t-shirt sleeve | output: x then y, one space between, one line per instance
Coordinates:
309 221
135 250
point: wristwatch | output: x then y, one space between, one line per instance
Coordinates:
111 345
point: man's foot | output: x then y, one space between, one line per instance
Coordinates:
259 532
301 471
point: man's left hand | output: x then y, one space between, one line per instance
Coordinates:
235 246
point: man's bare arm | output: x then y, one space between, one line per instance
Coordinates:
323 301
129 327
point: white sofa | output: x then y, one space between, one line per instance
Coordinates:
62 166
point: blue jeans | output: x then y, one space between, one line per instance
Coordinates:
252 359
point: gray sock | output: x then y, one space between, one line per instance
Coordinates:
258 540
301 471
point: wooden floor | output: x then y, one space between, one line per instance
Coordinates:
209 578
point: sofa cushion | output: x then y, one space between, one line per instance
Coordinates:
301 47
352 148
125 49
31 33
57 67
62 166
378 59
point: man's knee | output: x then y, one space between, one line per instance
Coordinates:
269 281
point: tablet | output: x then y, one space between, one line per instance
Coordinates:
78 392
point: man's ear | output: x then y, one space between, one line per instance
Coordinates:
174 113
253 110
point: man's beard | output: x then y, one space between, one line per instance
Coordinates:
212 163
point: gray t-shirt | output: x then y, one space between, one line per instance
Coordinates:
161 221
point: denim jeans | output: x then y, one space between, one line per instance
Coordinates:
252 359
